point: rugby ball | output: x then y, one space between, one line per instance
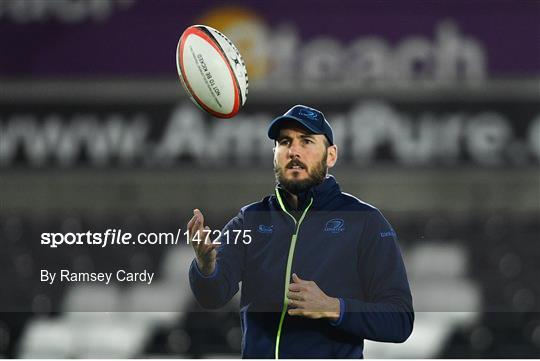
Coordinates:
212 71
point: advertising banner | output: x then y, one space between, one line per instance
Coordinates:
367 132
307 41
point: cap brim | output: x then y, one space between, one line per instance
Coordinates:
275 126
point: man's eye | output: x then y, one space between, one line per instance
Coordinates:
283 142
307 141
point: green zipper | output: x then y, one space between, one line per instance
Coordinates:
289 265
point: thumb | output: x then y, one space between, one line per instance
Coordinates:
296 279
207 239
206 233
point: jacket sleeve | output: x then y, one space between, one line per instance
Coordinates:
215 290
387 313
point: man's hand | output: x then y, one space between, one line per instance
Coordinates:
205 251
308 300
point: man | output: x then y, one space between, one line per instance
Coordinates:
322 271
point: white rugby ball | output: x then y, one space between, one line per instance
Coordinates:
212 71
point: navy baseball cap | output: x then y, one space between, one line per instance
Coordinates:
311 119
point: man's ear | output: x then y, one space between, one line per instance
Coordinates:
331 155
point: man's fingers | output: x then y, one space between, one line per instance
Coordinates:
208 247
207 232
297 287
295 296
205 249
196 235
199 215
295 312
300 312
206 244
294 303
297 279
197 232
197 218
191 221
190 226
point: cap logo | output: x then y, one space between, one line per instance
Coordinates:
308 113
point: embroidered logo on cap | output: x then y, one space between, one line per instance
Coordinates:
308 113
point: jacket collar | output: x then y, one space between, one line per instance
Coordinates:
322 193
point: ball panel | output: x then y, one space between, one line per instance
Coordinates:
235 60
181 75
206 73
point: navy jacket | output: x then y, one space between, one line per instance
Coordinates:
346 246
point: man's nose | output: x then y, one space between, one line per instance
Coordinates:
294 150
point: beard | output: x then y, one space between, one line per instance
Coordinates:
316 176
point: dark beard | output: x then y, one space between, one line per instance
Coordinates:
315 177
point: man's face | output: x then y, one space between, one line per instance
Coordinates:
301 159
